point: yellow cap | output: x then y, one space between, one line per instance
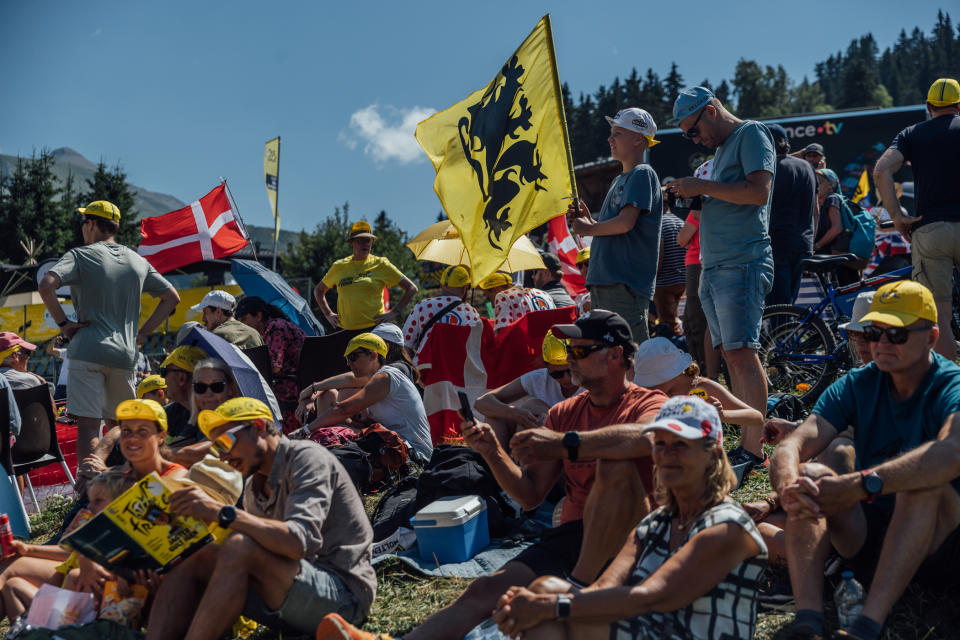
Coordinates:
361 229
370 341
901 303
233 410
583 255
456 276
496 279
554 349
185 357
6 353
150 383
143 410
101 209
944 92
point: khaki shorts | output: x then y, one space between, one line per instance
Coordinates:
936 249
95 390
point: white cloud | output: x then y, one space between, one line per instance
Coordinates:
387 132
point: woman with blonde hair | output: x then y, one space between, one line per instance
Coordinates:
690 570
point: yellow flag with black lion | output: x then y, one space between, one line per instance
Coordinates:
502 156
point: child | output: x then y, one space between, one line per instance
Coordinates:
152 388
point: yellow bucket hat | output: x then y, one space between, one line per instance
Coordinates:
233 410
496 279
150 383
185 357
456 276
554 349
901 303
143 410
101 209
370 341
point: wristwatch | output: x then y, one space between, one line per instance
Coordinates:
562 612
571 440
65 322
872 484
228 513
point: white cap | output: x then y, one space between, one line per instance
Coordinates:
657 361
636 120
216 298
861 307
389 332
688 417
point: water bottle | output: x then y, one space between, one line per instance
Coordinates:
849 599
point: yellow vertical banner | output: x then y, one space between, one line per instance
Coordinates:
863 187
271 171
502 155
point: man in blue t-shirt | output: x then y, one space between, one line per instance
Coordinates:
898 515
734 243
932 148
626 249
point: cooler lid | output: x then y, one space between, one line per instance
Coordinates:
450 511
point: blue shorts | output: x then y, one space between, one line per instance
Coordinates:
732 298
315 593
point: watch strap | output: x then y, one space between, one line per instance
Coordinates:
227 515
864 474
562 611
65 322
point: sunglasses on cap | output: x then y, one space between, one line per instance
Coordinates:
556 375
356 353
895 335
201 387
693 132
226 441
580 352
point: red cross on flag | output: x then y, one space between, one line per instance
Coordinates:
206 229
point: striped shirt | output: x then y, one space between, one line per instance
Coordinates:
727 612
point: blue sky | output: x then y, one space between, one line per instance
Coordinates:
181 93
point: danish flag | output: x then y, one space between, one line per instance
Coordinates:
205 229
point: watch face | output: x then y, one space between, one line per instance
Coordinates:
873 484
571 439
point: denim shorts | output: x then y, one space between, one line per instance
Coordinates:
732 299
315 593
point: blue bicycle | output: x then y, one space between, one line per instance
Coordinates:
802 349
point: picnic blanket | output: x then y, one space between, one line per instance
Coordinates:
491 559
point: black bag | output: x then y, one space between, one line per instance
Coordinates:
785 406
457 471
395 508
357 463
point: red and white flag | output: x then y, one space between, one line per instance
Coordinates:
562 244
206 229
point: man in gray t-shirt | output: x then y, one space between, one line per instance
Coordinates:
734 242
300 548
106 280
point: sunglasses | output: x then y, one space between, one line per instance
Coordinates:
200 388
556 375
226 441
581 352
165 371
895 335
352 357
692 132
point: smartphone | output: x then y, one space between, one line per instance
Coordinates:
465 409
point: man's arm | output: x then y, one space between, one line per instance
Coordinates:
617 442
807 440
498 404
320 295
888 164
169 300
48 293
620 223
755 189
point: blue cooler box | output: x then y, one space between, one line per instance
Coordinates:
452 529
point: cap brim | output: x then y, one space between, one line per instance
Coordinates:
852 326
674 121
567 331
29 346
676 428
610 120
363 235
894 319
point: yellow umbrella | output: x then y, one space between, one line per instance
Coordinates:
441 242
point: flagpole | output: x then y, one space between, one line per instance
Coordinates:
276 210
563 120
236 213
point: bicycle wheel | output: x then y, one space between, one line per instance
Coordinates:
798 357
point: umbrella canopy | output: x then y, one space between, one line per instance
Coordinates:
256 280
441 242
249 381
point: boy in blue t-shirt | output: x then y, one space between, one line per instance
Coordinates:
899 515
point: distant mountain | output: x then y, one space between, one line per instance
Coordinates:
148 203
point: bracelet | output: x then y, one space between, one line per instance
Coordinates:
774 504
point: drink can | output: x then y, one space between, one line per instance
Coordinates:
6 536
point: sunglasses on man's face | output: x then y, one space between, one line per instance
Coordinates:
200 388
895 335
582 351
557 375
226 441
693 132
164 372
352 357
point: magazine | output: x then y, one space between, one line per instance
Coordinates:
138 531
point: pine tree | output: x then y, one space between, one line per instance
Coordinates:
111 185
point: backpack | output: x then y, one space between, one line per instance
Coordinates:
375 460
861 226
785 406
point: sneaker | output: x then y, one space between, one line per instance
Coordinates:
740 456
334 627
775 591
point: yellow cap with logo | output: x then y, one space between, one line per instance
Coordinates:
554 349
900 304
370 341
496 279
143 410
583 255
944 92
361 229
455 276
150 383
233 410
185 357
101 209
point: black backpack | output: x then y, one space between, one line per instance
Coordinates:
785 406
395 508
